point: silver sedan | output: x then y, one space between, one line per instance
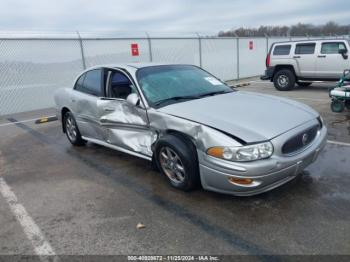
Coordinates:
195 128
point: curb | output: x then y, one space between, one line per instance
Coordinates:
241 84
46 119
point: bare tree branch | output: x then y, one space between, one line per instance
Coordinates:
300 29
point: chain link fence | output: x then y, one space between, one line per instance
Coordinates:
33 66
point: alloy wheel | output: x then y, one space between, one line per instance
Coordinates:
283 80
71 128
172 165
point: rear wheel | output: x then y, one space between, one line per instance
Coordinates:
177 160
284 80
72 131
304 84
347 104
337 106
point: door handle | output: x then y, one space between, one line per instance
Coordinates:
73 100
321 56
296 56
108 109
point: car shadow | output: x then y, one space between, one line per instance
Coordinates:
317 87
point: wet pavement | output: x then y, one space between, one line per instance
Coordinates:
88 200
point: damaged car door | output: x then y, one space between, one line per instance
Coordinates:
87 91
123 115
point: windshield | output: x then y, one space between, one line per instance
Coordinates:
163 85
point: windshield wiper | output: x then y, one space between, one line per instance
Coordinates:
175 98
214 93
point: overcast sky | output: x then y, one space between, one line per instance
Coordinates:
165 15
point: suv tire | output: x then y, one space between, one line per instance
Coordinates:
284 80
177 160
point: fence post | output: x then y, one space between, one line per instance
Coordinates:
267 43
237 40
149 47
200 49
81 50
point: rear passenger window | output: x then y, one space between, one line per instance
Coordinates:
305 49
93 81
282 50
332 48
79 84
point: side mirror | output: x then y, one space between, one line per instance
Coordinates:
343 52
133 99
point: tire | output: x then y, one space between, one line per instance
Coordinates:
72 131
154 165
337 106
304 84
176 158
347 104
284 80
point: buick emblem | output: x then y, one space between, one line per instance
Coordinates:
305 139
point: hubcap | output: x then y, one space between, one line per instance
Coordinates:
172 165
71 128
283 80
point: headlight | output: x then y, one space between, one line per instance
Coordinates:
242 153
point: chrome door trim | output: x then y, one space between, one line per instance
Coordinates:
102 143
117 125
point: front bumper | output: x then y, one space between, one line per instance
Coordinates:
267 174
268 75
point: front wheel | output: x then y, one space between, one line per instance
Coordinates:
337 106
284 80
72 131
347 104
176 159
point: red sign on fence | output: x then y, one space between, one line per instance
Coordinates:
251 45
135 50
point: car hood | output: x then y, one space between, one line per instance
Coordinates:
249 116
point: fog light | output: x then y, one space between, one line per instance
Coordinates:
241 181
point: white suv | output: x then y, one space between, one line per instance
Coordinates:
302 62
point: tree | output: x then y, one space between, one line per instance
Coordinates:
300 29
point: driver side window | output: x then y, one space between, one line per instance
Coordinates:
332 48
120 86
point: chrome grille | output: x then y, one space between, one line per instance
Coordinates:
300 141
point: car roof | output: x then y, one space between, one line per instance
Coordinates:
141 65
133 65
312 40
130 67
